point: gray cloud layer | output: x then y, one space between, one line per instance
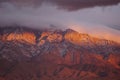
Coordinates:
115 27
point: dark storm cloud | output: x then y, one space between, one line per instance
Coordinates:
79 4
70 5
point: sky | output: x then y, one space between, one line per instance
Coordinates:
97 18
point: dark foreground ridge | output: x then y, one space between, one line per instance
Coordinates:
29 54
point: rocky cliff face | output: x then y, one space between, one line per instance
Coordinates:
29 54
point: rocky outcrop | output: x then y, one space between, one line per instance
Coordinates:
26 36
85 39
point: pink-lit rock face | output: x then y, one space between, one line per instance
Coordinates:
55 38
57 55
84 39
76 38
51 37
26 36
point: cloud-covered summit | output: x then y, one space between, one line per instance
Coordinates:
82 15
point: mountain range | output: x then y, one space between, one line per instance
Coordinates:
54 54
